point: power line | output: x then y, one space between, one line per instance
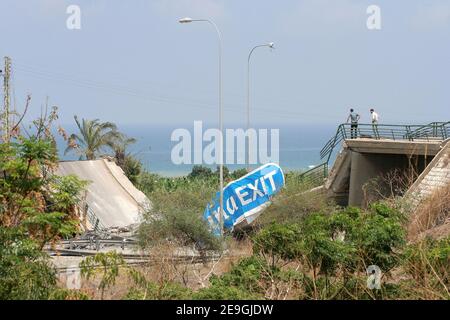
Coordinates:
123 90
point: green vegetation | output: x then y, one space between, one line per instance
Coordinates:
36 208
108 264
303 247
177 210
178 206
95 138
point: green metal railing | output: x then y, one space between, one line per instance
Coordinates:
315 176
428 132
431 131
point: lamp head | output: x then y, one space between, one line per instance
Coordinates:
271 45
185 20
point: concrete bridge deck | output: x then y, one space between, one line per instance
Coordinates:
388 146
372 152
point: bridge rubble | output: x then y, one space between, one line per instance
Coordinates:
111 201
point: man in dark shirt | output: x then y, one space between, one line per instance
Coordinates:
353 118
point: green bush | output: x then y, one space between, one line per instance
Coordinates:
200 172
132 168
380 235
221 292
248 275
36 208
278 241
246 280
163 291
107 263
236 174
335 248
428 263
178 216
295 202
66 294
25 272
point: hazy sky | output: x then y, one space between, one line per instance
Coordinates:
131 62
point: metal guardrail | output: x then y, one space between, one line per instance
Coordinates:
91 216
431 131
315 176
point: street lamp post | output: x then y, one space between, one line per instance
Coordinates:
270 45
189 20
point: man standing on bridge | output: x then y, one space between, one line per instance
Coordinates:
375 123
353 118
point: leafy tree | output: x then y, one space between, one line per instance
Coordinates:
131 166
278 241
93 137
107 263
334 249
66 294
250 278
226 172
199 171
427 262
236 174
25 272
177 214
36 207
119 147
144 289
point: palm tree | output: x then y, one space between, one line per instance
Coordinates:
120 148
93 138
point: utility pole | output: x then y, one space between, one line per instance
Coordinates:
6 100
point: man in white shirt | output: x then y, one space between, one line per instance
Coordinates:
375 118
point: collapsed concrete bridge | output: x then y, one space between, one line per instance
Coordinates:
111 200
371 152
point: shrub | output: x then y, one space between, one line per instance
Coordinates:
163 291
427 262
24 270
236 174
295 202
333 249
222 292
66 294
108 264
178 216
278 241
36 208
246 280
199 171
380 236
132 168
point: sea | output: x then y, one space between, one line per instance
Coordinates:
299 146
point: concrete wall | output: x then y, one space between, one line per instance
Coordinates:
434 177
